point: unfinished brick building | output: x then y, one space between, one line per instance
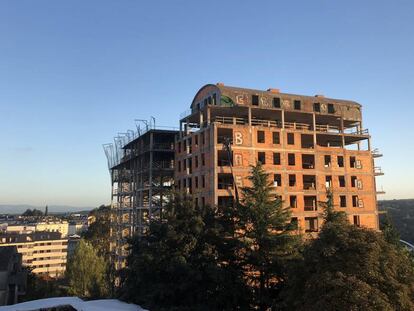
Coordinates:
308 144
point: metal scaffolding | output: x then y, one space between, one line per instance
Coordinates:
141 165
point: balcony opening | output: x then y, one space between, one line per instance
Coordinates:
225 181
292 180
276 102
276 158
308 161
328 181
309 182
276 138
297 104
331 108
293 201
260 137
290 138
317 107
310 203
255 100
223 159
341 180
224 134
342 200
261 157
340 161
291 159
327 161
225 201
277 180
307 141
311 224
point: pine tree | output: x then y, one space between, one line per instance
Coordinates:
184 262
268 235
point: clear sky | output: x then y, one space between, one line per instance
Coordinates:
75 73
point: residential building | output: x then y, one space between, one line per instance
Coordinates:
12 276
44 252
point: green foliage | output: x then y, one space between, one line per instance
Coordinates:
43 287
401 215
349 268
98 232
187 262
35 212
268 238
86 272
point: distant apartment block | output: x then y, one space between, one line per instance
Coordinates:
44 252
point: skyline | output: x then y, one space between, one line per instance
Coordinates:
73 75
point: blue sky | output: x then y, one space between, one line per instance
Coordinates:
75 73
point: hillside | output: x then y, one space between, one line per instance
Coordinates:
401 213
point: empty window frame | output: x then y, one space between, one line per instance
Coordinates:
203 181
291 159
310 203
354 181
357 220
342 200
276 158
277 180
260 137
297 104
331 108
255 100
293 201
261 157
327 160
203 159
196 182
309 182
328 181
276 138
340 160
317 107
290 138
308 161
352 162
311 224
196 161
276 102
355 201
203 138
341 181
179 146
292 180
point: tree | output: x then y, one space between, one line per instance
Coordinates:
268 235
350 268
98 232
39 287
86 272
35 212
184 262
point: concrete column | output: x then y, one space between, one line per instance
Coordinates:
314 129
283 119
